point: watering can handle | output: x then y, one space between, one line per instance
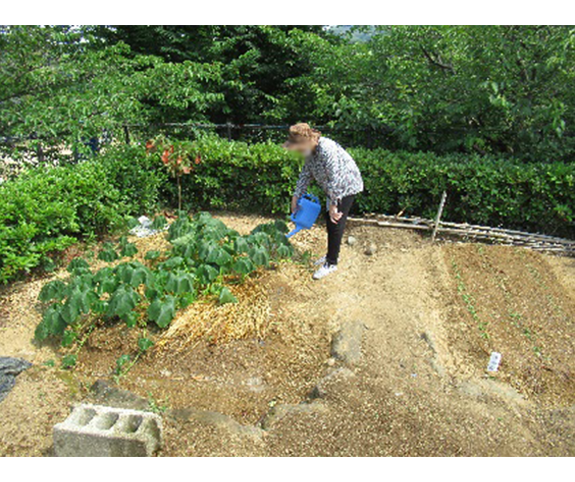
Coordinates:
312 197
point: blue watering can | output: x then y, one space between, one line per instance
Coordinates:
306 214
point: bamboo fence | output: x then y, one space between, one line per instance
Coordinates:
471 232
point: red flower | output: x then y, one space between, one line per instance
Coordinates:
179 161
166 157
187 169
149 146
198 159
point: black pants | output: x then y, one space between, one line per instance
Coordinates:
335 231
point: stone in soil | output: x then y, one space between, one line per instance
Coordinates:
326 383
346 343
351 240
281 411
103 393
371 249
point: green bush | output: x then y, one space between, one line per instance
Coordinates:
46 209
482 190
239 176
135 175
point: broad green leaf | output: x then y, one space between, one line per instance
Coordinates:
68 338
259 256
206 274
52 323
172 263
186 299
153 254
140 275
121 362
241 245
108 255
243 266
54 290
180 283
122 301
128 250
162 311
284 251
226 296
78 266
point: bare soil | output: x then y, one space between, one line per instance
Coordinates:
433 314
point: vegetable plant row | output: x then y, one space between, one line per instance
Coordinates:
203 256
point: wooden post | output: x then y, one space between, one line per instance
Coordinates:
127 134
438 217
229 130
40 153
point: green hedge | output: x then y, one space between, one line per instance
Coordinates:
46 209
238 176
137 177
536 197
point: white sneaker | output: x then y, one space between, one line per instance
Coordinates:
324 271
319 262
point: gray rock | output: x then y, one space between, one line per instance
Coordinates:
346 343
351 240
105 394
10 368
217 419
279 412
323 386
371 249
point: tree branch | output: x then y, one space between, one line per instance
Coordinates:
436 61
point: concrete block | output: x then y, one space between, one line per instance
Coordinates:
98 431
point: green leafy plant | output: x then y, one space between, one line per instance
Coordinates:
204 255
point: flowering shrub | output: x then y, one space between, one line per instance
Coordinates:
178 157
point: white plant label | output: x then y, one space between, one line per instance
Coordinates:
494 362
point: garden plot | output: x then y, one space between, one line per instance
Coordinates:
419 388
511 301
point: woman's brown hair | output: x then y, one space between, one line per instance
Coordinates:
302 132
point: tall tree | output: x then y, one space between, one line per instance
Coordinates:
60 87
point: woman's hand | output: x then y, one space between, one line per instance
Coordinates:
334 214
294 206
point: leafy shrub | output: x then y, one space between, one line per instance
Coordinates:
46 209
135 175
483 190
204 254
240 176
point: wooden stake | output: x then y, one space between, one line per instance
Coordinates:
438 217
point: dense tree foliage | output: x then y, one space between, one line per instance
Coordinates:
483 88
480 89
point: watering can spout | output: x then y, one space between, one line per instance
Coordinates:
295 231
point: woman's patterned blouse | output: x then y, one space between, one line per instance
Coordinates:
333 169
